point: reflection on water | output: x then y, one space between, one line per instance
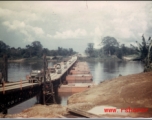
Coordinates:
100 71
17 71
24 105
109 69
64 97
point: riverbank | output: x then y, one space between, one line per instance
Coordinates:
88 59
132 91
29 60
40 111
131 57
107 58
23 60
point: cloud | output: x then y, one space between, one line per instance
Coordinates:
37 30
88 21
69 34
15 25
28 31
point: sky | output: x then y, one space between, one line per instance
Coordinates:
74 24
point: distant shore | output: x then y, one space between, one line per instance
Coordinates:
20 60
133 57
91 59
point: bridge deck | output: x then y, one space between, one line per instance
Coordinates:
54 76
8 88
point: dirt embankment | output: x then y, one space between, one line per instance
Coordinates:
132 91
41 111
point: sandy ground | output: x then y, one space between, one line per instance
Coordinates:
41 111
134 91
126 91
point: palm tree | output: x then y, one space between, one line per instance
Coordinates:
143 48
149 57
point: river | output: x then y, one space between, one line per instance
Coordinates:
100 70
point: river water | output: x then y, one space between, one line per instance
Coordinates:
100 70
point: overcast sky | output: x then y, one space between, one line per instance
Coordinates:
73 24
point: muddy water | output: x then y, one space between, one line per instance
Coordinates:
100 71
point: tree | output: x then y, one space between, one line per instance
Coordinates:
109 45
149 56
37 48
53 52
71 51
142 48
123 49
45 51
3 48
65 52
119 52
29 49
89 50
59 50
100 52
34 49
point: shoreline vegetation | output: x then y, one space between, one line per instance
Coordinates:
89 59
133 57
20 60
99 59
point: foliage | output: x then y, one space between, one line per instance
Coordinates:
142 48
3 48
109 45
90 49
35 49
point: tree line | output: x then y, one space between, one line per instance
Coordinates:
35 49
112 47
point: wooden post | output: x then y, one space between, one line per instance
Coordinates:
44 70
21 84
27 77
60 81
5 68
3 87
